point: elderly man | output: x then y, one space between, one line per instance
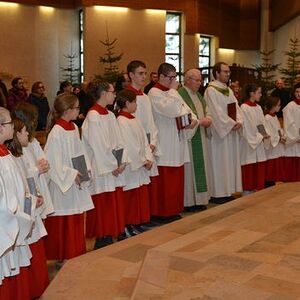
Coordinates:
282 93
224 140
196 172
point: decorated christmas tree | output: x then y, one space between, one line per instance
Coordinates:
110 60
292 69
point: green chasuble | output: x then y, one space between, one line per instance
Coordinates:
198 158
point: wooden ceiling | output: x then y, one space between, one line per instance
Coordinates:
235 22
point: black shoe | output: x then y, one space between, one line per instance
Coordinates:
122 236
138 228
102 242
130 231
165 220
218 200
190 208
201 207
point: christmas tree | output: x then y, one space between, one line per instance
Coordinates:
71 72
110 60
292 69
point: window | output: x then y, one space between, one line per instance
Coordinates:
173 41
81 44
205 57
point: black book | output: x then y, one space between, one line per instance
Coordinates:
27 205
118 154
79 164
32 186
262 130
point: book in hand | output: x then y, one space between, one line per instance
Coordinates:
32 186
118 154
183 121
231 110
148 137
79 164
27 205
262 130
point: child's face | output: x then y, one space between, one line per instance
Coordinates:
110 95
277 107
138 76
22 137
131 106
7 127
297 94
256 95
72 113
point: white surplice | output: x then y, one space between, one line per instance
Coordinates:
191 196
223 144
167 105
291 125
251 144
136 143
68 198
273 147
100 135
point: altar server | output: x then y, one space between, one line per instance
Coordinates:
64 151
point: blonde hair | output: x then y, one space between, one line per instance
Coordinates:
3 114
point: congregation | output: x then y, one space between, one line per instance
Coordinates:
119 161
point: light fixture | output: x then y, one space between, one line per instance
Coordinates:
111 8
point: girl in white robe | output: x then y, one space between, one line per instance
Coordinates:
101 137
137 206
70 196
252 151
291 125
274 146
15 224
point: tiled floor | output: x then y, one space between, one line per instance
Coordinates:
246 249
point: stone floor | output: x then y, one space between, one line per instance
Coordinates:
246 249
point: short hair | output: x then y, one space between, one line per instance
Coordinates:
97 87
35 86
165 69
64 84
123 97
271 101
296 86
133 65
28 113
250 88
217 68
14 82
14 146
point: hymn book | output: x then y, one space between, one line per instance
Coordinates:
262 130
27 205
32 186
118 154
231 110
79 164
183 121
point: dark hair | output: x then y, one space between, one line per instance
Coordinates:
271 101
14 146
28 113
97 87
165 69
35 86
62 103
250 88
123 97
14 82
133 65
217 68
64 84
296 86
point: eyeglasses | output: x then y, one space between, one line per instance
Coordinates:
171 77
6 123
41 87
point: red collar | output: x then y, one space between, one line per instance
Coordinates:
65 125
137 92
126 114
161 87
297 101
250 103
100 109
3 150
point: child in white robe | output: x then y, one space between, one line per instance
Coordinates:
38 269
252 151
291 125
136 71
137 206
70 196
101 137
274 146
15 224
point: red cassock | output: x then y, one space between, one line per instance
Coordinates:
38 270
170 190
154 195
275 169
254 176
292 169
107 219
66 237
137 206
